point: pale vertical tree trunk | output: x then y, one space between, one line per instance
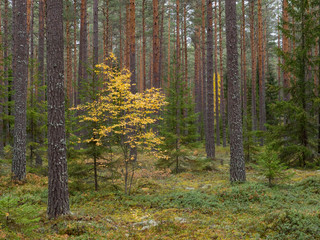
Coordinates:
58 196
20 87
237 163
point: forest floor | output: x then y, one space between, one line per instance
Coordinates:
188 205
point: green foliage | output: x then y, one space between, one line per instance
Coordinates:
294 134
20 212
189 200
290 224
270 166
179 125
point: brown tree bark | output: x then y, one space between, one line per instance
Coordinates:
244 61
69 57
210 147
20 82
144 46
83 51
216 72
222 98
279 62
41 94
127 42
185 45
58 196
161 46
120 33
6 129
95 76
253 67
169 49
203 77
262 92
2 98
156 45
285 48
74 87
237 163
132 27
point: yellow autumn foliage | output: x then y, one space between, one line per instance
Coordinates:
119 111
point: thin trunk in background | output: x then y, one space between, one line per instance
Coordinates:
262 93
253 68
216 71
156 45
210 147
222 98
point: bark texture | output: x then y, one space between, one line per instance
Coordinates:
237 163
20 82
156 45
210 147
58 196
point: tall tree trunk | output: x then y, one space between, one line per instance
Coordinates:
161 46
185 45
20 87
216 71
210 98
32 83
204 79
244 61
95 76
222 98
262 92
41 95
253 67
156 45
2 98
69 57
74 53
144 46
83 51
58 196
6 74
279 62
169 49
127 43
237 163
285 48
132 45
120 34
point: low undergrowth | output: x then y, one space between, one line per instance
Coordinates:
189 205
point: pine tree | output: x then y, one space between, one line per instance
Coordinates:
20 63
237 163
295 137
58 196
